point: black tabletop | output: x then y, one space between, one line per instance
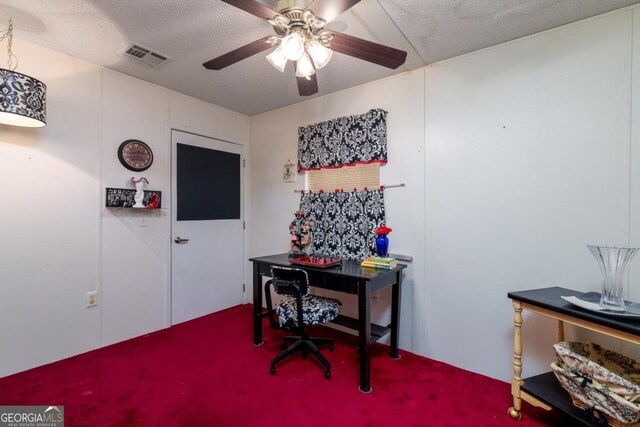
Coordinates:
347 268
549 298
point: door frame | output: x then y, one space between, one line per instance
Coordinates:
168 200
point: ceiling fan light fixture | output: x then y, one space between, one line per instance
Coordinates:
293 46
301 36
304 67
320 54
278 59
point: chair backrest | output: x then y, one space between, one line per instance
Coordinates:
283 277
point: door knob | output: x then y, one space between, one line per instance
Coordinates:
180 240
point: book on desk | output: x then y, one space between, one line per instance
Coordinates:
386 263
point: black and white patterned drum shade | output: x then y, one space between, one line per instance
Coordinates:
22 100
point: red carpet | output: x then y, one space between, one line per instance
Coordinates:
207 372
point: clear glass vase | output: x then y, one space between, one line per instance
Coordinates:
612 261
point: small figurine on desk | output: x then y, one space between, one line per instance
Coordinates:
139 196
300 234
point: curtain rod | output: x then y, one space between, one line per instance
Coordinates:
385 186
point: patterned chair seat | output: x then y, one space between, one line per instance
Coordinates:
315 310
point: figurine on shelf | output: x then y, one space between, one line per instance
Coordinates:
154 202
139 196
300 235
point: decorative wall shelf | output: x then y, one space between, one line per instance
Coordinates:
123 197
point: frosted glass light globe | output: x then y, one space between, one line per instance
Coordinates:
293 46
304 67
320 54
277 59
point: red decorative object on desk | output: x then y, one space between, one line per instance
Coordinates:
382 241
315 261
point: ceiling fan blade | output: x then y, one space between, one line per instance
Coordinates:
307 87
329 9
239 54
253 7
369 51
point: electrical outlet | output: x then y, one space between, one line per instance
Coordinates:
92 299
144 221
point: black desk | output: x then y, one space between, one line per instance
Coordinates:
350 278
544 390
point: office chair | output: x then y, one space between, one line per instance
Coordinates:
297 309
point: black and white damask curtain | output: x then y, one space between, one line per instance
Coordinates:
343 141
344 223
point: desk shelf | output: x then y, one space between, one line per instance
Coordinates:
377 331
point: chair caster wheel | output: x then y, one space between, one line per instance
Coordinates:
273 370
327 375
331 347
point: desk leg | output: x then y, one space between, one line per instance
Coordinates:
364 334
516 383
257 305
396 293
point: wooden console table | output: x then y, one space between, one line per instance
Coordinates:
544 390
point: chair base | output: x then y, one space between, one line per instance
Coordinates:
304 344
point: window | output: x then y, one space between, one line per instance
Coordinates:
342 157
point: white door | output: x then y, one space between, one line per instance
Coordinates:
207 225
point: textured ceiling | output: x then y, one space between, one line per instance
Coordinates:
192 32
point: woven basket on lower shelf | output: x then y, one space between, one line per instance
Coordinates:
596 377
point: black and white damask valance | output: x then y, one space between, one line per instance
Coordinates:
344 223
344 141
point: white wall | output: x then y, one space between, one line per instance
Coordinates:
274 139
527 153
527 162
521 153
50 196
59 241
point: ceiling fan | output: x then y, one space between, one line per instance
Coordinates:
302 37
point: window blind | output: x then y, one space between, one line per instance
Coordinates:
346 178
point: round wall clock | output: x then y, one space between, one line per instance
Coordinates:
135 155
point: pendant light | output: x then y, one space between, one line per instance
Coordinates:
22 98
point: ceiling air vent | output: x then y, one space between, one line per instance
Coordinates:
145 55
